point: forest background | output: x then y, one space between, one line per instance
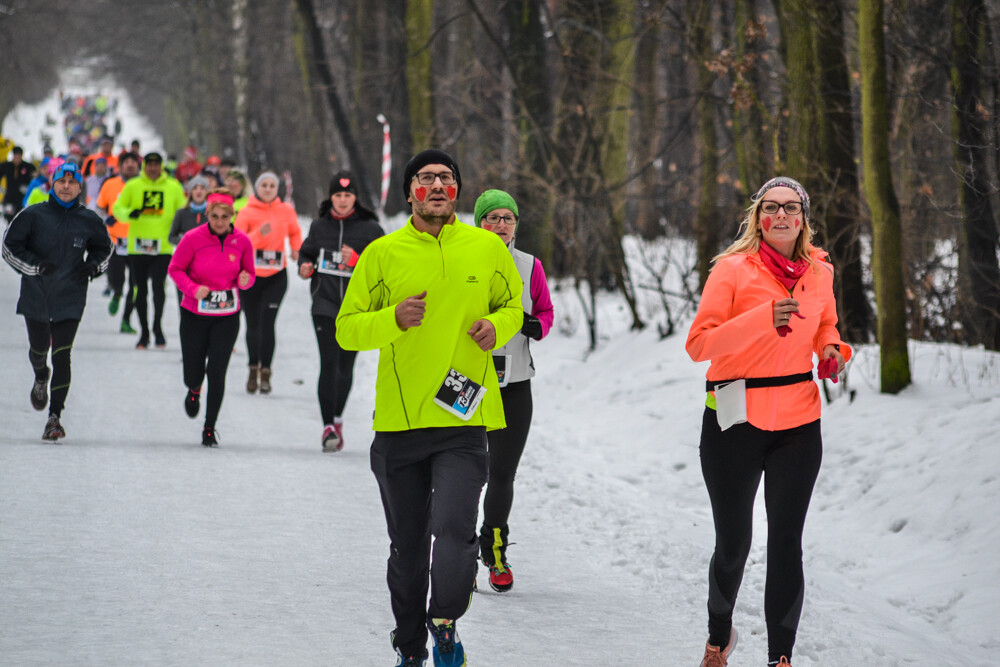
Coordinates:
606 119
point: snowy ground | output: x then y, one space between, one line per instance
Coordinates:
132 544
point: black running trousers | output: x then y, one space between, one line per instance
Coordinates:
260 305
58 336
336 369
506 446
206 346
145 269
732 463
430 480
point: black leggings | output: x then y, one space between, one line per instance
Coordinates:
146 268
59 336
260 305
506 446
206 345
117 266
336 369
732 463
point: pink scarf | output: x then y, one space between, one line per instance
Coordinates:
784 269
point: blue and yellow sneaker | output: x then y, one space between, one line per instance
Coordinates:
448 651
412 661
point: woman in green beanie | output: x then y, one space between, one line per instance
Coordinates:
496 211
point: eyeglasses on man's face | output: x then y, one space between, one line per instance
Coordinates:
427 177
771 207
495 219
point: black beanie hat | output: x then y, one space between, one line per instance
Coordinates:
343 181
424 158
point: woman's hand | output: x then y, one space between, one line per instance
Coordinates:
783 311
346 252
832 351
201 292
243 279
294 254
306 269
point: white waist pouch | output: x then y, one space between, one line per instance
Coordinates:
731 403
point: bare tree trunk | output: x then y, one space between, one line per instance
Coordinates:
887 262
240 78
317 52
707 225
979 284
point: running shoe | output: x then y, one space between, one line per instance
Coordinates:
412 661
448 651
127 328
53 429
209 437
719 657
783 662
143 342
501 577
113 305
192 402
265 380
331 441
252 379
40 390
158 338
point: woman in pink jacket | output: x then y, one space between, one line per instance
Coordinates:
766 310
210 266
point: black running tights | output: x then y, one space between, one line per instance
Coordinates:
59 336
260 304
146 268
336 369
506 446
206 345
732 463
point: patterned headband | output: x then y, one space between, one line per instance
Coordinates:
784 181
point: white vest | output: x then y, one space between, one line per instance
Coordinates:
521 365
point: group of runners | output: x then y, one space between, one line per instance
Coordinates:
452 309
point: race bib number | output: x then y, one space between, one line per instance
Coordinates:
459 395
147 246
121 245
501 362
220 302
331 264
269 259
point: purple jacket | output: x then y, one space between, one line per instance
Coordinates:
202 258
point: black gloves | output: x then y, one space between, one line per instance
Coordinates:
110 221
531 328
87 272
47 268
135 214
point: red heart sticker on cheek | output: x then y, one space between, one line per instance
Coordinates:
344 182
420 193
798 223
766 223
452 192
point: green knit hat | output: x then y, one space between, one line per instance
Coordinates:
491 200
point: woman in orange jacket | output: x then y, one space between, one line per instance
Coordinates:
766 309
273 228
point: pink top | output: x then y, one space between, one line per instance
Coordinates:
541 302
202 258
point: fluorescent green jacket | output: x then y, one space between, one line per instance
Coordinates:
158 200
468 274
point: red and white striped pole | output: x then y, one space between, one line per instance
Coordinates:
386 161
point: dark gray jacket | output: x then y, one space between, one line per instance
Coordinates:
326 233
68 238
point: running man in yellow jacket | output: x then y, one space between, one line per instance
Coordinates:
434 297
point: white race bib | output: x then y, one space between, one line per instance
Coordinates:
220 302
147 246
330 263
269 259
459 395
121 246
731 403
501 362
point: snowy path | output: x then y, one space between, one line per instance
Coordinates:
132 544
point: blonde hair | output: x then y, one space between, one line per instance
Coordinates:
751 236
